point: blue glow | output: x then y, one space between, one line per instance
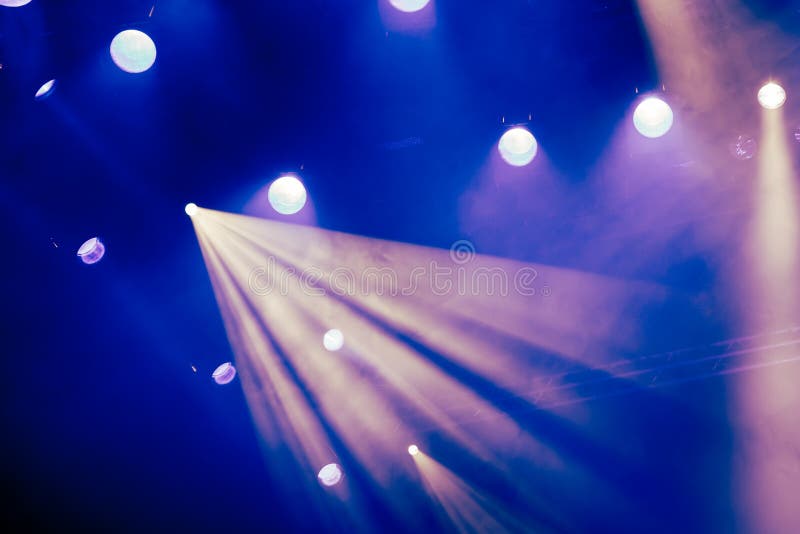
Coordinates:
518 147
133 51
287 195
409 6
45 90
653 117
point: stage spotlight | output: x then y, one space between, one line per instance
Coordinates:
333 340
653 117
744 147
771 96
413 450
224 374
14 3
133 51
409 6
287 195
330 475
45 90
518 147
91 251
191 209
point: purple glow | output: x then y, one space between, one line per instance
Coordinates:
744 147
224 374
92 251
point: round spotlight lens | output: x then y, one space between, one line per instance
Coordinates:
287 195
333 340
91 251
133 51
771 96
224 374
413 450
518 147
653 117
45 90
14 3
330 475
409 6
744 147
191 209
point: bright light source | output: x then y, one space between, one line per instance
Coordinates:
133 51
14 3
518 146
91 251
45 90
330 475
224 374
413 450
744 147
409 6
333 340
771 96
191 209
287 195
653 117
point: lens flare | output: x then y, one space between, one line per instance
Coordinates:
133 51
771 96
518 146
287 195
653 117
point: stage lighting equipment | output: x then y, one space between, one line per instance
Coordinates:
771 96
517 146
224 374
14 3
409 6
92 251
45 90
287 195
653 117
333 340
133 51
413 450
330 475
744 147
191 209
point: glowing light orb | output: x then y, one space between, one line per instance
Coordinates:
409 6
191 209
14 3
744 147
224 374
91 251
330 475
518 147
797 134
333 340
653 117
287 195
413 450
771 96
45 90
133 51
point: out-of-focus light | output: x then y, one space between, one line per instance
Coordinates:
14 3
45 90
91 251
191 209
133 51
744 147
224 374
333 340
330 475
771 96
287 195
409 6
653 117
797 134
518 147
413 450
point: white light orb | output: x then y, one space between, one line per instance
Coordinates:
330 475
409 6
45 90
653 117
333 340
191 209
287 195
518 146
91 251
413 450
14 3
133 51
224 374
771 96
